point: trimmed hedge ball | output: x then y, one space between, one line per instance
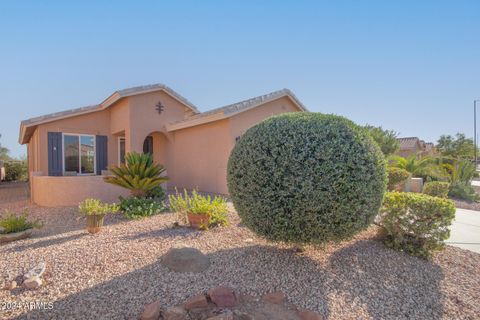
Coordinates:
306 178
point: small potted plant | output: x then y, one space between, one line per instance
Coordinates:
95 212
201 212
15 227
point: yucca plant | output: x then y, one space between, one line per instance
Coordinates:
138 174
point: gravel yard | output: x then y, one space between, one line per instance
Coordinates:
113 274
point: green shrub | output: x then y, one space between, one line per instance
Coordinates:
10 222
138 174
16 171
157 193
416 223
94 207
135 208
396 177
436 189
195 203
463 191
306 177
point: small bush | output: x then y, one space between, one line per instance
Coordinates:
10 222
463 191
305 177
139 174
94 207
195 203
396 177
416 223
135 208
16 171
436 189
157 193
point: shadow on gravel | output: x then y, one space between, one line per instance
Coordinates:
394 286
164 233
397 286
47 242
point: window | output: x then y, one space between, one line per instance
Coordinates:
121 150
79 154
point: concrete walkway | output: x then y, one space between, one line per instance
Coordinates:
465 230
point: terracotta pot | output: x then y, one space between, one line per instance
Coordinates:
94 223
198 221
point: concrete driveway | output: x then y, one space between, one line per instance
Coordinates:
465 230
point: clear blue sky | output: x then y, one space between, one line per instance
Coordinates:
410 66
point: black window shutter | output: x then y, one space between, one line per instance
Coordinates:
102 158
55 154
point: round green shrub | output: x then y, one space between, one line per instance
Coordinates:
437 189
306 178
396 177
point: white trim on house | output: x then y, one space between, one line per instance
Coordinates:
79 135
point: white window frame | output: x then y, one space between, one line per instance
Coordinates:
118 146
79 135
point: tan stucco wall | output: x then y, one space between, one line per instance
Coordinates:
245 120
194 157
200 157
69 191
97 123
201 153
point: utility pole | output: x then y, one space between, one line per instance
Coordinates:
475 131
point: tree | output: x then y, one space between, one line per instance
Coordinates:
386 139
456 147
4 152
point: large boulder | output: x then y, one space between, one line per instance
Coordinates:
185 260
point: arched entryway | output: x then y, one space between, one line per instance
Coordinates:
157 144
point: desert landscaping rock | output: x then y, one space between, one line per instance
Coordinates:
277 297
37 271
9 237
223 297
175 313
308 315
152 311
32 283
198 301
11 285
226 315
115 273
185 260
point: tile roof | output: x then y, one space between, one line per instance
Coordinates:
408 142
244 105
226 111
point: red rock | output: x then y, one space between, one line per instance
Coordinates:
308 315
175 313
199 301
151 311
223 297
276 297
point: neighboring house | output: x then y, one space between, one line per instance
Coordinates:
413 145
68 151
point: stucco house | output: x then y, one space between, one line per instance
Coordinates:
69 151
414 145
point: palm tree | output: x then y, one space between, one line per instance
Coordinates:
138 174
426 167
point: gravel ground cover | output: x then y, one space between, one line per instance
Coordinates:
113 274
470 205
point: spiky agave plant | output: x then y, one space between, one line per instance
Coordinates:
138 174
